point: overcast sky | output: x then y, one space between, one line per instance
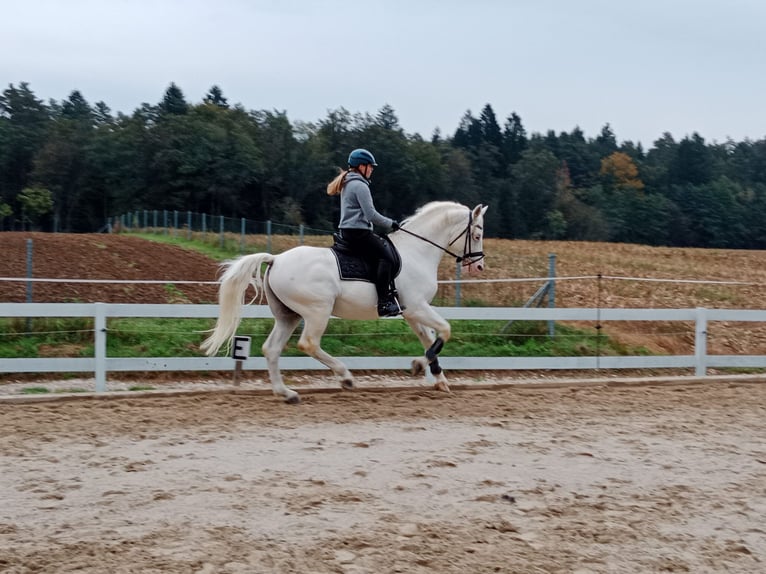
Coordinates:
645 67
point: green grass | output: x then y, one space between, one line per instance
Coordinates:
34 391
469 338
146 337
45 337
45 390
210 245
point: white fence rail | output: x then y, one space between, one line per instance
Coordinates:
101 364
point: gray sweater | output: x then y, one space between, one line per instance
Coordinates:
356 208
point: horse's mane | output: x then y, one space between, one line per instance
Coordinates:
429 209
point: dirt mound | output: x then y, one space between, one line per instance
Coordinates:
118 257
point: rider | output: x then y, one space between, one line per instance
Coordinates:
357 217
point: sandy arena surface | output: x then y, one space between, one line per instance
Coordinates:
661 478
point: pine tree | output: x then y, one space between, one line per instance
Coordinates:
173 102
215 97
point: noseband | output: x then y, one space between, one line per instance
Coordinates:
469 257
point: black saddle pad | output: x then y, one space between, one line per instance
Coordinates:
353 267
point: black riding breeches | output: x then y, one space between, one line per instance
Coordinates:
367 244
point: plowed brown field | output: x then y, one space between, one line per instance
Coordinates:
92 256
124 257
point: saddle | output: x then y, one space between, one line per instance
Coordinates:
354 267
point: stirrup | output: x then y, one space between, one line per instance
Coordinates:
389 307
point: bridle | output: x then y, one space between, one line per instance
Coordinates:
469 257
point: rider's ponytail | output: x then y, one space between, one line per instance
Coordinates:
336 185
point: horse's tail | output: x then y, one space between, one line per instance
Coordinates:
238 274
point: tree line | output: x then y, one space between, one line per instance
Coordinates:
70 166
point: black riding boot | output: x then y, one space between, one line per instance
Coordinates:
388 306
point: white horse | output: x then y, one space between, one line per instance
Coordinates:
304 283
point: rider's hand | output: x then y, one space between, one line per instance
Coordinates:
394 225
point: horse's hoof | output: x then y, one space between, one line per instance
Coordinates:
442 386
347 384
293 400
418 367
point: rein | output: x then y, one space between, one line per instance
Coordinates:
468 258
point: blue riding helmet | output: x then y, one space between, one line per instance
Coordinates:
361 157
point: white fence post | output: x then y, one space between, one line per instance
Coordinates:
99 347
700 343
551 291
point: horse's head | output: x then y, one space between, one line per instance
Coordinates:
474 247
449 226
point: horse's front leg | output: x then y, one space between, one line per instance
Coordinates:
433 331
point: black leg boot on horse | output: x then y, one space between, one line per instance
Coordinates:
388 304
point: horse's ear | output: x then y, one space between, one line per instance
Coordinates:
479 210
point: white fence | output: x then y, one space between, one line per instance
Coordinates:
100 364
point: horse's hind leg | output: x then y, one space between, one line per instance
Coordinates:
309 342
284 325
